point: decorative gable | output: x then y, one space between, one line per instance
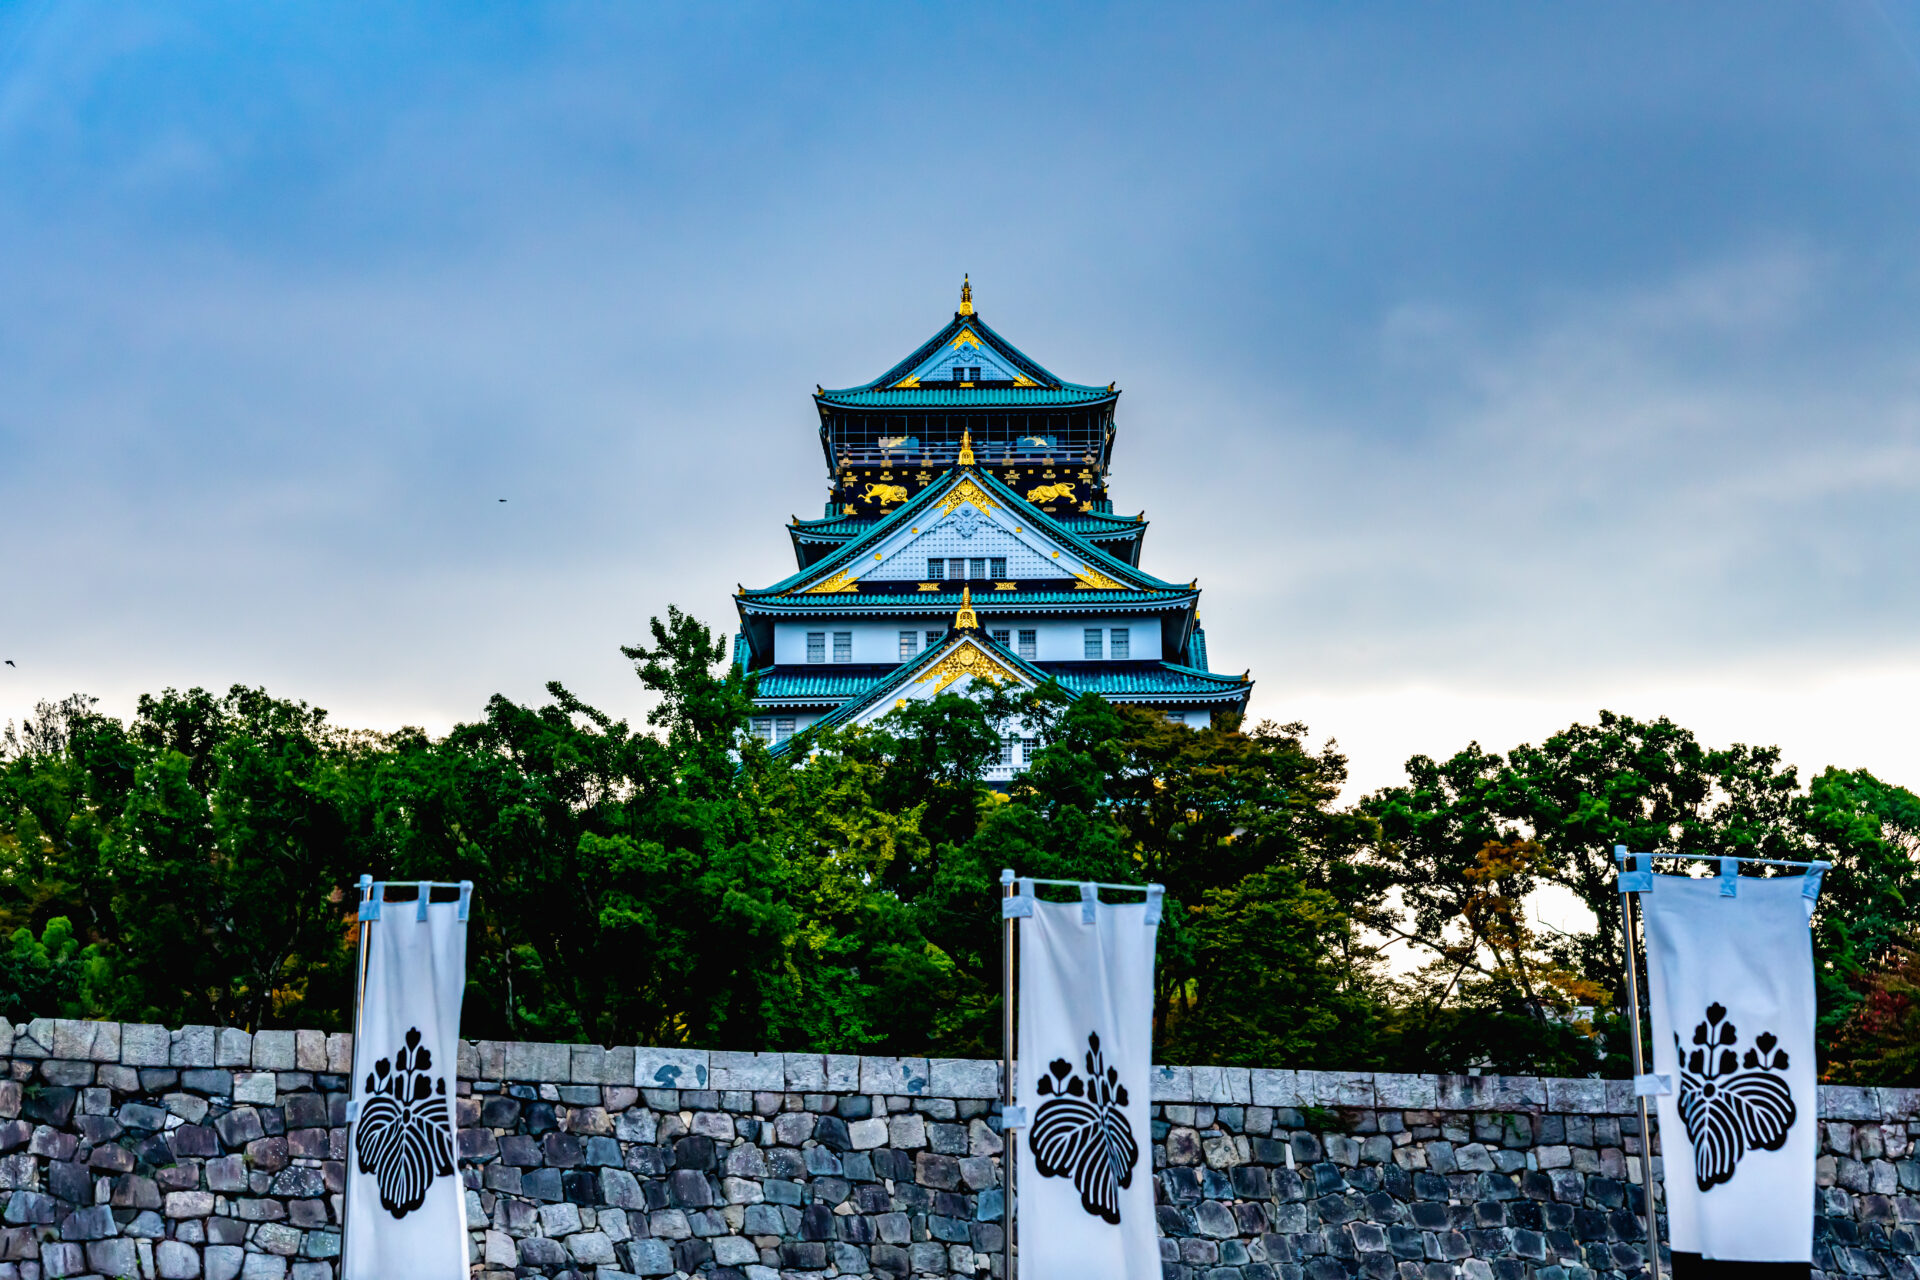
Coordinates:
967 657
966 359
962 518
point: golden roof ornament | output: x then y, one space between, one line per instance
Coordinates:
966 448
966 296
966 620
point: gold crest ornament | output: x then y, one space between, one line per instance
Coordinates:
965 660
842 581
965 620
885 493
966 448
1048 492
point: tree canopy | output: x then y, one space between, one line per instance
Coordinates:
680 883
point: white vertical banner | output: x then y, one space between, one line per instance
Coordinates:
1731 985
1085 1187
405 1204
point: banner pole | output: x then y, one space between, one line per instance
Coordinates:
1639 1069
367 890
1008 1136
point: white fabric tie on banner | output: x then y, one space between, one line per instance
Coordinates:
1085 1188
1731 982
406 1206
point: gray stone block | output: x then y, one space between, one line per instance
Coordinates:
1222 1086
1395 1090
748 1071
1336 1088
1899 1104
264 1266
192 1047
650 1257
255 1086
670 1068
805 1072
340 1053
894 1075
309 1051
34 1040
1274 1088
618 1069
1586 1097
493 1060
87 1041
587 1065
963 1077
6 1037
541 1063
273 1051
1848 1102
223 1261
176 1261
113 1257
843 1073
232 1048
1170 1084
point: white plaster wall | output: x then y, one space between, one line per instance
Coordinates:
878 640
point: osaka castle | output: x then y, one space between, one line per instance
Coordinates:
969 536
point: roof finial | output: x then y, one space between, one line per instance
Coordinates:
966 448
966 296
965 620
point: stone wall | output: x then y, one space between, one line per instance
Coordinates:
131 1150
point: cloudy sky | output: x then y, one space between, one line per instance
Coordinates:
1489 365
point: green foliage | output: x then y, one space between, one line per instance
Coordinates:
49 975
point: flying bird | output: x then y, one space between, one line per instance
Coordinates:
10 663
503 499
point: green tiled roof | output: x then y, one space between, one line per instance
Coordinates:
833 528
782 683
1159 679
937 395
946 602
1154 681
1092 525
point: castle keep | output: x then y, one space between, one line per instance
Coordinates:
969 535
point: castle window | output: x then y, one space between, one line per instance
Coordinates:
909 643
1121 642
782 728
1028 748
816 646
1093 641
1029 645
763 728
979 567
843 646
959 373
1002 637
999 567
956 568
973 374
1006 750
933 638
936 567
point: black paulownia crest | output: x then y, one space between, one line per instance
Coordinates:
1081 1132
1730 1103
404 1136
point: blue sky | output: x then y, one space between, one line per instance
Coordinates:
1488 364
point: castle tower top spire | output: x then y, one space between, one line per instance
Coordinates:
966 295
